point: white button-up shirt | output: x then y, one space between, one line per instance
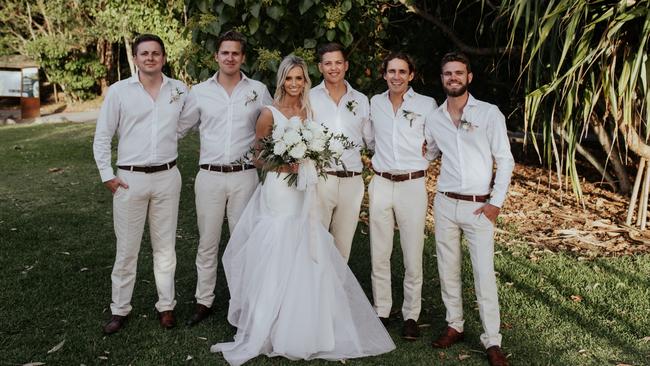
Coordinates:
470 150
146 128
350 118
226 122
398 136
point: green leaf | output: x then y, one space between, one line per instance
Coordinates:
304 6
255 9
346 39
232 3
344 26
346 6
310 43
330 35
275 12
253 25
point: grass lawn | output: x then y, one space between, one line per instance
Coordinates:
57 250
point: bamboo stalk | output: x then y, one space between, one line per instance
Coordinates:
643 204
635 192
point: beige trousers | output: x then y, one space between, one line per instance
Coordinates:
405 202
155 196
340 202
217 193
453 217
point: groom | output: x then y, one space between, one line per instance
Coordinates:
472 137
225 107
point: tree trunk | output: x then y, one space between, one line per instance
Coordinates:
105 53
613 156
129 55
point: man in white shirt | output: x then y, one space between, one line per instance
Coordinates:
472 137
343 110
398 191
226 107
144 111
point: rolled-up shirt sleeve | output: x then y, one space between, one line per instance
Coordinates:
189 116
432 151
107 123
500 148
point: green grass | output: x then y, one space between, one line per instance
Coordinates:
57 250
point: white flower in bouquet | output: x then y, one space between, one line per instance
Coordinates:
307 135
313 126
278 132
317 144
279 148
291 137
336 146
298 151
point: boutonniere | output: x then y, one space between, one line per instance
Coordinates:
467 126
410 116
252 97
352 106
176 95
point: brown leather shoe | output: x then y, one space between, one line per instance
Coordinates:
167 319
447 338
496 357
410 332
200 312
114 325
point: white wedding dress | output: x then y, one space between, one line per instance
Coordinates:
292 295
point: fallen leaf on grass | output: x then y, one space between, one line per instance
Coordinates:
463 357
442 355
202 338
576 298
57 347
103 358
83 269
645 339
188 358
54 170
34 364
623 364
66 253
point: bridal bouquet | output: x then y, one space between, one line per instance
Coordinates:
294 140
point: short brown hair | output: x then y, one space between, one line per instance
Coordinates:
147 38
331 47
232 35
401 56
455 56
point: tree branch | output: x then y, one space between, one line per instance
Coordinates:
449 32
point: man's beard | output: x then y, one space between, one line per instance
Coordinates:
456 92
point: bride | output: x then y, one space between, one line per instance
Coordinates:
292 294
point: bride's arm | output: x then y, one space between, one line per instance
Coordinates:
263 128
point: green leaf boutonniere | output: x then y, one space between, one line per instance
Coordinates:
251 98
352 106
410 116
176 95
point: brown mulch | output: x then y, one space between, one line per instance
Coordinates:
538 212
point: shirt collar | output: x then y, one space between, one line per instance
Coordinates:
321 86
409 93
215 77
135 79
471 102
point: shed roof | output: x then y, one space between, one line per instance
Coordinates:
17 62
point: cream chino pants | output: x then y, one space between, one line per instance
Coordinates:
340 202
453 217
217 194
405 202
155 196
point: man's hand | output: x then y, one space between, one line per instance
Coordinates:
115 183
490 211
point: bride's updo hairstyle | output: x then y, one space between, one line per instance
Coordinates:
288 63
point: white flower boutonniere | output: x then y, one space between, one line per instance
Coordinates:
251 98
467 126
410 116
352 106
176 95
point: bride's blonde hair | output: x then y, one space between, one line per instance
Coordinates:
288 63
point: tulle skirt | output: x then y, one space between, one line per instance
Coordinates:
292 295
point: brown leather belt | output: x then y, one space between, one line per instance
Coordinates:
464 197
148 169
227 168
344 174
402 177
